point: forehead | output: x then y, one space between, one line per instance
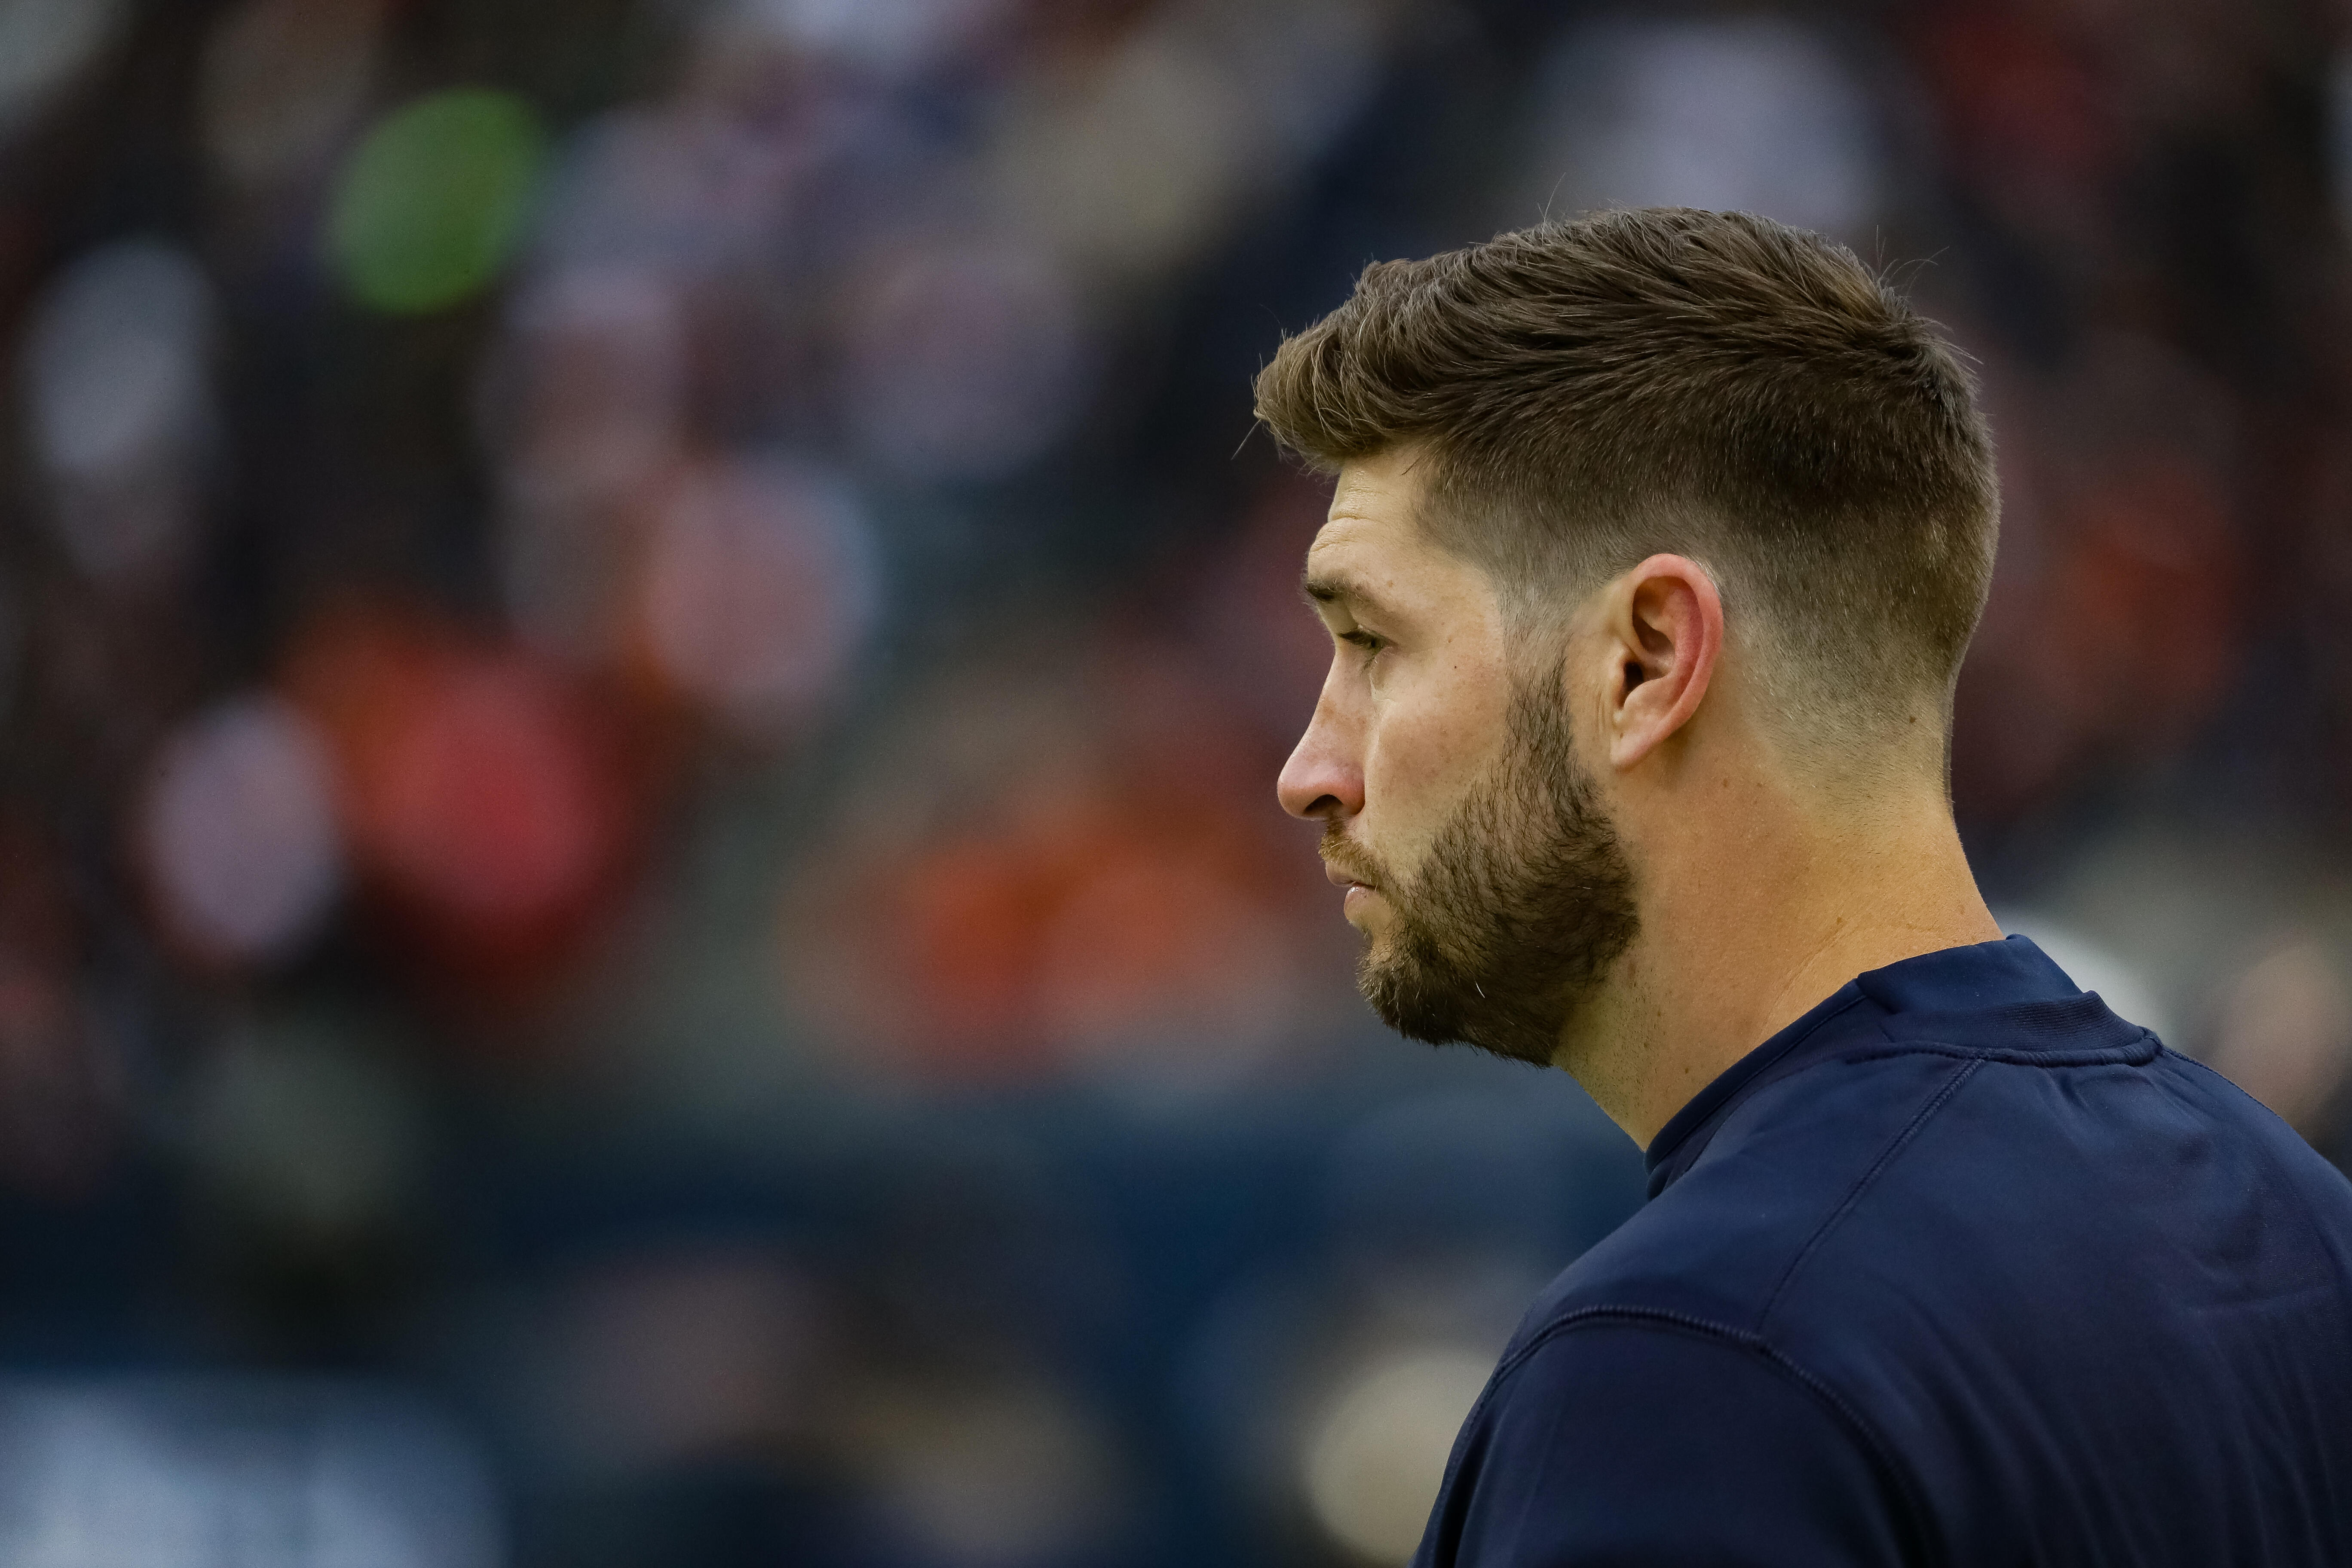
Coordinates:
1371 548
1373 507
1373 513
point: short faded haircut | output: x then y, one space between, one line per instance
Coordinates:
1713 385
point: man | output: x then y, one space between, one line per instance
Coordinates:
1657 539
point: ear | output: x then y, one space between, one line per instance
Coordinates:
1663 628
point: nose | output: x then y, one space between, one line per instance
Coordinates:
1322 778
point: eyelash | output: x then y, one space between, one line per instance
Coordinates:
1366 640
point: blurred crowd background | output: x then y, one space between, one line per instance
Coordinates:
643 649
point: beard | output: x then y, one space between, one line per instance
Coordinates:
1524 901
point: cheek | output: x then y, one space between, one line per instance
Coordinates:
1419 762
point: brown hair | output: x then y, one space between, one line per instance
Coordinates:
1716 385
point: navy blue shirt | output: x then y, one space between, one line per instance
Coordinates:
1958 1269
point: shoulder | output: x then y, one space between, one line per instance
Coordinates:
1786 1163
1589 1441
1909 1158
2297 1167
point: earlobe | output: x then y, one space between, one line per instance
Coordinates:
1666 617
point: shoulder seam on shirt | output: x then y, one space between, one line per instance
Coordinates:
2140 1052
1863 1184
1880 1456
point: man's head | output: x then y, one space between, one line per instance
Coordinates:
1579 466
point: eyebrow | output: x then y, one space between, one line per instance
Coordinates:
1343 591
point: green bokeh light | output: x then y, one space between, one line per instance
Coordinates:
428 207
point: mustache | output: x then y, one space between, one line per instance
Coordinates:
1351 859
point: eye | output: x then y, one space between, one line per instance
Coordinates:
1370 642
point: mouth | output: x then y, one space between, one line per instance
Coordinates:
1357 894
1339 878
1340 857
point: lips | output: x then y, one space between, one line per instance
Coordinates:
1339 878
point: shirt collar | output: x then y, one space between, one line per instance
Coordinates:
1955 986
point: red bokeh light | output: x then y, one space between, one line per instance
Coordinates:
485 797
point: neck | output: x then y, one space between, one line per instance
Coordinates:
1745 929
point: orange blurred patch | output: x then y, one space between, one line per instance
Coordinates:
1114 894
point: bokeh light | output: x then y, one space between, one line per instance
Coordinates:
432 203
114 361
889 40
761 586
283 80
1755 113
1373 1459
481 795
116 376
2285 1035
489 808
273 1472
999 1472
44 43
239 831
1136 166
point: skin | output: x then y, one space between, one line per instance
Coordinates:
1761 886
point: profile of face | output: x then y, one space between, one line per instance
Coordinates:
1481 867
